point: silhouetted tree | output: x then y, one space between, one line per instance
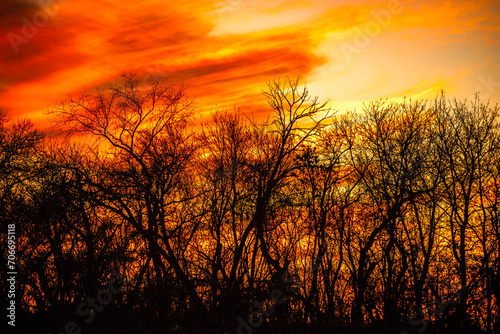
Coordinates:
142 169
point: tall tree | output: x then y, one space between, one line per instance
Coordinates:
143 157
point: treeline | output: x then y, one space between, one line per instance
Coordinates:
388 217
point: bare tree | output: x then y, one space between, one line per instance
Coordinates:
142 174
469 145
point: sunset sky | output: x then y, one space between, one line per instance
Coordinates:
346 51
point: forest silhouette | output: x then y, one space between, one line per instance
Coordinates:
385 220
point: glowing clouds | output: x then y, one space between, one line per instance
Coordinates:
348 51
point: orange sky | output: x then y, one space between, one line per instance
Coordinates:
347 51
